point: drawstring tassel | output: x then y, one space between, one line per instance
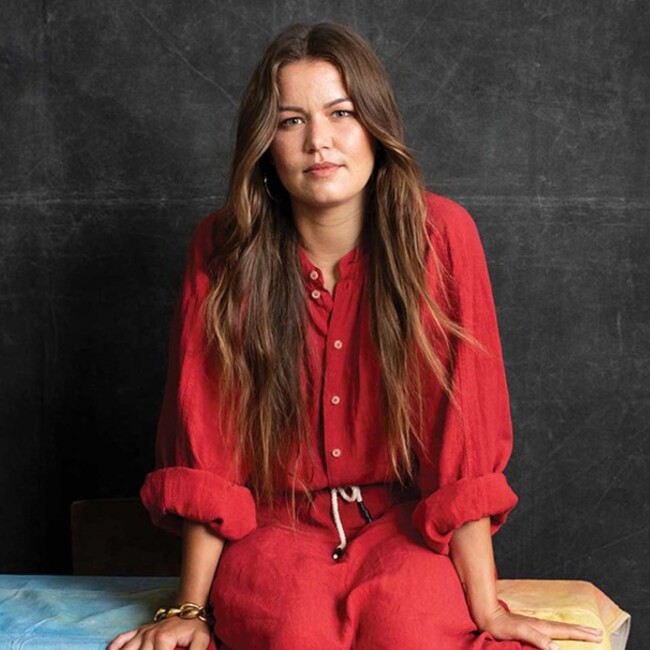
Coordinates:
354 496
364 511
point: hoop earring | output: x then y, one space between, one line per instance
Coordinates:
265 179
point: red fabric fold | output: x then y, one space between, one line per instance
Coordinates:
468 499
175 493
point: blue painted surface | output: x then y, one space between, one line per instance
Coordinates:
76 612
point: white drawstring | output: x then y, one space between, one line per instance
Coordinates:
354 496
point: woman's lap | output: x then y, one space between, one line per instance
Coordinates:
280 588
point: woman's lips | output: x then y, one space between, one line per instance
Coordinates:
322 170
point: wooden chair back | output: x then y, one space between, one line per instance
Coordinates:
115 537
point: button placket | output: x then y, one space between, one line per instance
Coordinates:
336 411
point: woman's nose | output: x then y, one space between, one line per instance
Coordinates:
317 135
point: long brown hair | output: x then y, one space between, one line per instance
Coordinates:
256 307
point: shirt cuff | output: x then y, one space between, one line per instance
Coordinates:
468 499
172 494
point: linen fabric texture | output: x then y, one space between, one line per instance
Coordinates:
276 584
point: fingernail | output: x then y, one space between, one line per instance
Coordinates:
553 646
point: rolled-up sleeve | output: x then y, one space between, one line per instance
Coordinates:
196 476
469 441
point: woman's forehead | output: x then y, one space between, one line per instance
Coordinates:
310 80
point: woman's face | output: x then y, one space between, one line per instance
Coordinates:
321 152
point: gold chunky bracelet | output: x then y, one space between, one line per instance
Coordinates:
186 610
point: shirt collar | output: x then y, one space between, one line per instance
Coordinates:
350 264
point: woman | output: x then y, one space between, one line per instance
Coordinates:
335 423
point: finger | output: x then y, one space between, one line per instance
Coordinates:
591 630
147 641
121 639
165 639
594 631
200 641
138 642
575 632
532 635
557 630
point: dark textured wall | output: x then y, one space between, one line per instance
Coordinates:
116 125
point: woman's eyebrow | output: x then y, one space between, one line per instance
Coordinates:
298 109
340 100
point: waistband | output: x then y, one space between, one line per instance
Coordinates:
317 510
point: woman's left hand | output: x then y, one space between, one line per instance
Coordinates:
505 626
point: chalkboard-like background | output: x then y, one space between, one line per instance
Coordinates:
116 126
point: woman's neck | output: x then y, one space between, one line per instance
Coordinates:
327 236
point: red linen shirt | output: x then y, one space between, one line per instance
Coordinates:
460 478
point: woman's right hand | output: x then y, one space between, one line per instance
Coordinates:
165 635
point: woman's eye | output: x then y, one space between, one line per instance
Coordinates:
342 113
291 121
